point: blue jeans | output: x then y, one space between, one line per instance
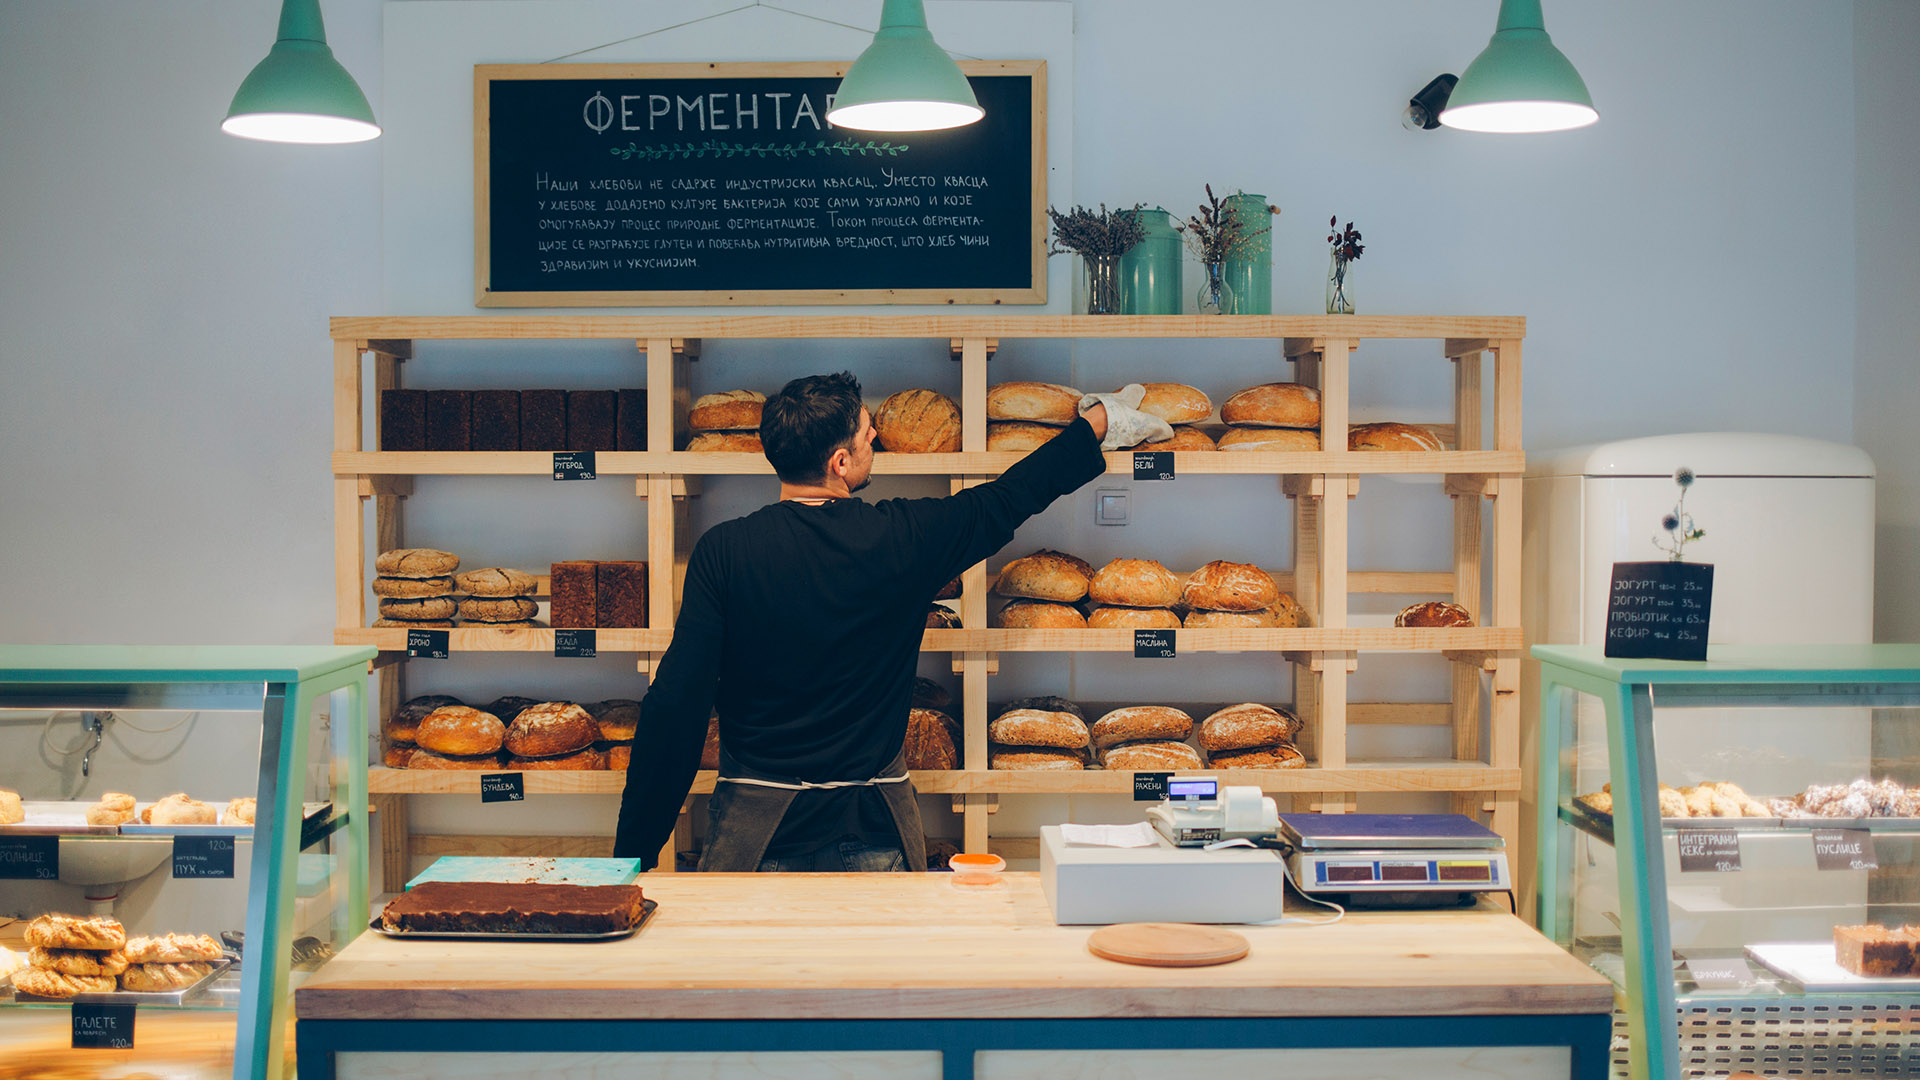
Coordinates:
848 855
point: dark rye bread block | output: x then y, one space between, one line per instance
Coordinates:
631 420
403 420
449 420
590 419
543 420
513 908
496 420
621 594
574 596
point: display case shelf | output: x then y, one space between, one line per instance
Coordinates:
1600 826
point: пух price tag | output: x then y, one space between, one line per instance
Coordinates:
203 856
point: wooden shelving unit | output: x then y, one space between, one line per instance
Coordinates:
1483 465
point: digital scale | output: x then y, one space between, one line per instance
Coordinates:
1394 859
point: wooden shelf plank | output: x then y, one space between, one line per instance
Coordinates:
1470 639
1346 327
527 639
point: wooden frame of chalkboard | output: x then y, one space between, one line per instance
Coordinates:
623 196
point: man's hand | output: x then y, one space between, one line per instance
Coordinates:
1097 416
1125 424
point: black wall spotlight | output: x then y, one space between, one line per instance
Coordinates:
1423 109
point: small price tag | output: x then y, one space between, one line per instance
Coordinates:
1153 645
1844 849
1711 851
573 465
203 856
1150 786
428 644
503 787
1153 465
102 1027
575 643
30 858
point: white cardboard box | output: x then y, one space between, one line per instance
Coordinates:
1088 885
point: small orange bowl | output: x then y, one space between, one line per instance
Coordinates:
970 869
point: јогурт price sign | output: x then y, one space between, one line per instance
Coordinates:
1659 610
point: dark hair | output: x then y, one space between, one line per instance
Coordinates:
810 418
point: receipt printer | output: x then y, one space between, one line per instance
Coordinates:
1198 811
1087 884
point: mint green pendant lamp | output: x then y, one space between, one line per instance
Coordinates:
904 81
1519 82
300 93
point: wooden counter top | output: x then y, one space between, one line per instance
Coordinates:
834 946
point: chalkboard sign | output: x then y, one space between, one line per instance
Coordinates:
1659 610
1709 851
203 856
645 184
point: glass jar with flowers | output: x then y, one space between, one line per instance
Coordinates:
1099 238
1214 235
1346 251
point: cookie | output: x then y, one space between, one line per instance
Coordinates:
500 609
420 609
411 588
494 581
415 563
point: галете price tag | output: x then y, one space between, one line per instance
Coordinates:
573 465
428 644
29 858
1153 645
102 1027
581 644
503 787
1153 464
1709 850
202 856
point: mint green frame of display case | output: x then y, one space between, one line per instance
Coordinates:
1804 676
283 682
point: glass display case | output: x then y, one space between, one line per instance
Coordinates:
216 794
1705 828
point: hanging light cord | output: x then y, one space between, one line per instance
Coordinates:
720 14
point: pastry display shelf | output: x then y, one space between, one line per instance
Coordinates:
608 463
1600 826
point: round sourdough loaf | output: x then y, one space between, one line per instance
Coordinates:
508 706
415 563
1264 619
1254 440
1276 756
424 609
1134 583
1132 618
1017 436
1038 402
928 694
405 588
1137 722
397 756
1045 575
942 617
929 743
498 609
1239 726
586 760
1045 703
1230 586
1034 758
412 624
494 581
1433 613
726 442
549 729
918 422
949 591
405 721
621 756
1401 437
1186 440
1032 727
1041 615
618 718
730 410
427 759
1287 405
1176 403
459 731
1159 756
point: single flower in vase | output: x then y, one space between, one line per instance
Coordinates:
1346 251
1213 236
1679 524
1099 237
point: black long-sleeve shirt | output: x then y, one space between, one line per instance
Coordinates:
801 624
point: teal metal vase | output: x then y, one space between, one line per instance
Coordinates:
1250 275
1150 271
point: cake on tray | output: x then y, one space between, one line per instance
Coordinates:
470 907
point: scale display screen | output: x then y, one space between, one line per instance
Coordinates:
1190 789
1405 872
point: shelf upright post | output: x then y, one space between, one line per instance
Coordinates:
1505 712
1333 667
1468 546
1307 493
974 666
349 523
668 402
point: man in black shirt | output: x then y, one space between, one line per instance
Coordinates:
801 623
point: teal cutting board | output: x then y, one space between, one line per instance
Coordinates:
545 871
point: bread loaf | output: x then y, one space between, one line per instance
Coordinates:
508 706
239 811
1237 727
572 598
1277 756
162 978
1134 583
415 563
172 949
1270 440
427 759
1127 618
621 756
182 809
405 721
1045 575
459 731
404 588
726 442
397 756
928 694
412 624
586 759
77 961
618 718
12 812
114 808
53 984
494 581
1176 403
929 743
1031 727
949 591
1288 612
1033 758
918 422
1140 722
1156 756
730 410
419 610
1402 437
1433 613
1045 703
941 617
1230 586
1036 402
1287 405
498 609
1017 436
1186 440
1041 615
76 932
1231 620
549 729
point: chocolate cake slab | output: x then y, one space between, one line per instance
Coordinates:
502 908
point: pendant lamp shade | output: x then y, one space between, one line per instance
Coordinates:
1520 82
904 81
300 93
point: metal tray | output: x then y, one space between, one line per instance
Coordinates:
646 912
132 997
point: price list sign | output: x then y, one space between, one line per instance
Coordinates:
1659 610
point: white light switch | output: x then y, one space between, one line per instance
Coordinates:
1110 506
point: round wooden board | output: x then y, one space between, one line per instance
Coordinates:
1157 944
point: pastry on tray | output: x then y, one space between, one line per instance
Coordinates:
513 908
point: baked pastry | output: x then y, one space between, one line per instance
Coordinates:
726 442
1185 440
397 756
1230 586
1238 727
239 811
1046 703
1176 403
1287 405
420 608
1265 618
498 609
621 756
729 410
942 617
1132 618
100 932
918 422
415 563
1140 722
1036 402
1288 612
180 809
1270 440
1405 437
52 984
1134 583
402 588
587 760
114 808
1277 756
1041 615
1017 436
1032 727
1155 756
1034 757
549 729
928 694
163 978
517 907
929 743
710 750
1433 613
1672 803
412 624
1600 802
618 718
1875 951
495 581
172 949
1045 575
11 810
508 706
427 759
400 727
460 731
77 961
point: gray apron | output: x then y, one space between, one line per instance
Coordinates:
747 806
